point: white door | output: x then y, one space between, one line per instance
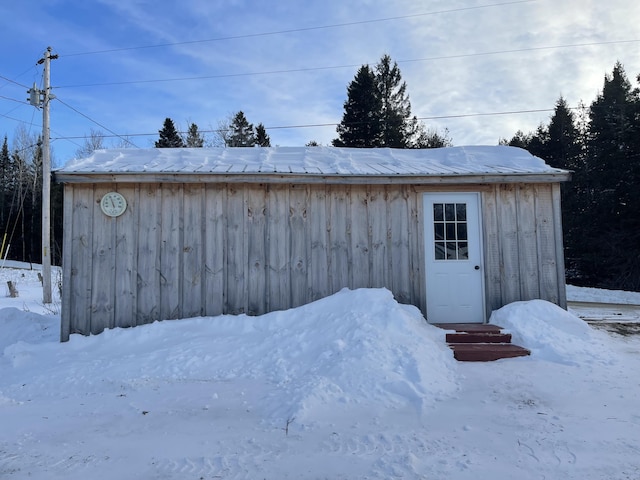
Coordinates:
453 258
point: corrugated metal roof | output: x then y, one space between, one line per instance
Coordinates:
319 161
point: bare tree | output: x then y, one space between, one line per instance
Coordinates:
94 141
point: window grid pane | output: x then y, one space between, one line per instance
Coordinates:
450 231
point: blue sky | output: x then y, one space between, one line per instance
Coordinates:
288 63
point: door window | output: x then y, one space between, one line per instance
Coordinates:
450 231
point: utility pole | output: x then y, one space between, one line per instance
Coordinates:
42 98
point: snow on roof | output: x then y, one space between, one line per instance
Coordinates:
450 161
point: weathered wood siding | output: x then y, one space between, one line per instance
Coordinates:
184 250
523 244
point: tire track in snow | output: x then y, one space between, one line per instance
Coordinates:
236 463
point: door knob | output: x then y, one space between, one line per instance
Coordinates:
477 267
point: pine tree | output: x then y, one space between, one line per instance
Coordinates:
169 137
612 239
562 148
431 138
563 138
262 137
194 139
242 132
520 140
5 183
360 125
398 127
377 112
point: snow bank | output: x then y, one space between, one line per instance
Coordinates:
353 349
19 326
588 294
554 334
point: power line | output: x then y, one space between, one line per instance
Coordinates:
97 123
14 100
333 124
295 30
310 69
13 81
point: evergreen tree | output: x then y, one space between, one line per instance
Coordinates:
520 140
194 139
563 146
431 139
5 182
360 125
241 132
262 137
377 112
398 127
169 137
611 199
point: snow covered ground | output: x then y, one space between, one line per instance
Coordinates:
354 386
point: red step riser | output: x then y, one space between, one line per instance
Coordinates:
484 356
478 338
466 352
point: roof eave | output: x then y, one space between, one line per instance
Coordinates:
302 178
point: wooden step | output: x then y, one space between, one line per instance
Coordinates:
480 342
486 352
470 327
480 337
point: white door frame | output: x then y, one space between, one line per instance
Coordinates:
454 266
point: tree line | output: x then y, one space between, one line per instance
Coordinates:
377 113
601 204
600 143
234 132
21 201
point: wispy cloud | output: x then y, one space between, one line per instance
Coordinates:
269 59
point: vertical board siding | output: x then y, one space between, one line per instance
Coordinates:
103 275
416 248
399 258
319 261
547 260
209 249
338 227
126 246
278 248
492 248
377 220
256 252
193 251
521 245
146 211
298 238
235 261
82 247
527 243
171 251
559 249
215 249
508 232
359 238
67 238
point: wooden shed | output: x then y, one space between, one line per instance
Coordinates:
156 234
